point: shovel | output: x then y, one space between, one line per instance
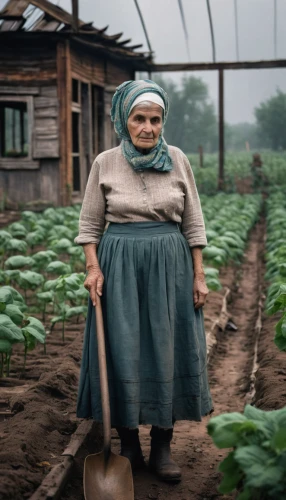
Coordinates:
106 476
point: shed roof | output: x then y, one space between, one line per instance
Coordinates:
42 16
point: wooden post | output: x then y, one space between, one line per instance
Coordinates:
201 153
64 96
221 131
75 15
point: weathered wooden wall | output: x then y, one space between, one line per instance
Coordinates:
42 73
86 68
28 62
46 126
24 186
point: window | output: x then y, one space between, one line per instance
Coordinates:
75 91
14 140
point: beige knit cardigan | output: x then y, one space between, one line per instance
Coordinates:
117 193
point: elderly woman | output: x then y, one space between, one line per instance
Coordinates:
148 268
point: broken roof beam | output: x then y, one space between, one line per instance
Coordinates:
54 11
12 25
15 7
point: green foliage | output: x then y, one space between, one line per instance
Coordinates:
43 258
237 170
16 327
271 119
17 229
58 267
62 286
257 463
276 263
212 279
61 246
15 245
192 120
228 219
30 280
19 261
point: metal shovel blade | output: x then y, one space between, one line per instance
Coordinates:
106 476
107 480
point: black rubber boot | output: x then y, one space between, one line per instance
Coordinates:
160 460
130 446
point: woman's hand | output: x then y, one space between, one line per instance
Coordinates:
200 290
94 283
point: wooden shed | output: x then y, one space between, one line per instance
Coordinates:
56 85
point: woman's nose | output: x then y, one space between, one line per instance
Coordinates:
147 127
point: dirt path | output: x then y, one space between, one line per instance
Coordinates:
229 370
229 375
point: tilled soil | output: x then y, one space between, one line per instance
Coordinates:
44 401
271 376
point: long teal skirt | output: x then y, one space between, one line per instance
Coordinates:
155 339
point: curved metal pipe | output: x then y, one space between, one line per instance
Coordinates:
143 26
180 2
212 29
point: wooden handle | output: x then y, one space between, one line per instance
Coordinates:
103 378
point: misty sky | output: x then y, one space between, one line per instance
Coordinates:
243 89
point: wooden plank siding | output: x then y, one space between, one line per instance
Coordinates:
27 64
26 186
115 74
87 68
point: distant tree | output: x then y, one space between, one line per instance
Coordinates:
192 120
271 120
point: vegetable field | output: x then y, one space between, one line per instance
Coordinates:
240 449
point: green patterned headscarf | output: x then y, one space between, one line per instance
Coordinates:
158 157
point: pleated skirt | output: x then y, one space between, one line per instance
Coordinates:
155 339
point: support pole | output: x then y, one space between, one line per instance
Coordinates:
201 156
75 15
221 130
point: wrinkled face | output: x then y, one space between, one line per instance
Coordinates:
145 124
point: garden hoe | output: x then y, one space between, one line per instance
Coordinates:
106 476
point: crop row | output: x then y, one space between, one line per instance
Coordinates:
255 466
276 263
238 168
229 219
40 260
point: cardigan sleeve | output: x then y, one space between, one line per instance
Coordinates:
92 215
193 226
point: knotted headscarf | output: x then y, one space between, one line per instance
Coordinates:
158 157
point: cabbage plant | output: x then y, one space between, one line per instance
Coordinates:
257 460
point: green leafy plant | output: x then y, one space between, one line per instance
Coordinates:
58 267
33 331
19 261
10 333
61 287
212 278
256 466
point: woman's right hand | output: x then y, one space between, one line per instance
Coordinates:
94 283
